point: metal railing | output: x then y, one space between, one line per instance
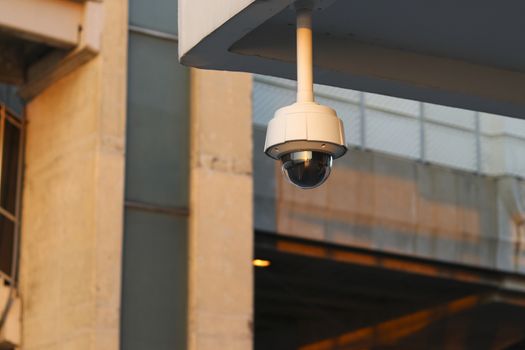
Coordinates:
478 142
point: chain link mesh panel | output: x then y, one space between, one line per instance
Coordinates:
453 137
451 147
392 133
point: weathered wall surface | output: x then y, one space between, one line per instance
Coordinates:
221 225
73 201
395 205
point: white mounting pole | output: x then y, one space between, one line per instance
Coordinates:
305 80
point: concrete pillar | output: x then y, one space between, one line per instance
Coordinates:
73 201
221 224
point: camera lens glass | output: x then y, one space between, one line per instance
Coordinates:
306 169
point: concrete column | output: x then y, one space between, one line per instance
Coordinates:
221 224
73 201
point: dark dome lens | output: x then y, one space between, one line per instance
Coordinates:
306 169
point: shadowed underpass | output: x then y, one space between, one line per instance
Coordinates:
319 297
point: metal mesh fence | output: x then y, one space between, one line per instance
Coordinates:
457 138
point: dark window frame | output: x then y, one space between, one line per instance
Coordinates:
12 215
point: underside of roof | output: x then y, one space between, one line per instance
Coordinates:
466 54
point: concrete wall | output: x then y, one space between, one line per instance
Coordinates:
73 201
221 225
384 203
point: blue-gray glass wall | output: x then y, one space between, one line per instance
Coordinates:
154 296
11 145
10 98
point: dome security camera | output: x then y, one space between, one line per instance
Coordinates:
305 136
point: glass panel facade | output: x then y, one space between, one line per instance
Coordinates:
154 299
9 97
10 153
11 148
158 15
154 285
158 123
7 239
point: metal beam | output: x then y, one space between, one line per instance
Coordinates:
388 333
53 22
504 282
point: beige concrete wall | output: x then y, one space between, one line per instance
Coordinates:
390 204
73 201
221 224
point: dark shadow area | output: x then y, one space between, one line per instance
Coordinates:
304 301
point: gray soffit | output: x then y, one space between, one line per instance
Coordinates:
468 54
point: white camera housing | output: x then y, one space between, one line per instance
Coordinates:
306 136
305 126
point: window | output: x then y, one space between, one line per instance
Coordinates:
10 180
